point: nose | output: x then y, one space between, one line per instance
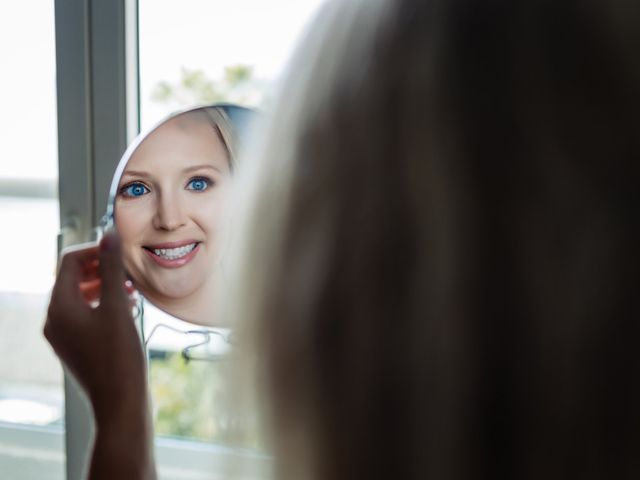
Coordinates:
170 214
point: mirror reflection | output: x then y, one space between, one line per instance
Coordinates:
167 200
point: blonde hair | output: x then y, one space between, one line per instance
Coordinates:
428 244
265 188
216 117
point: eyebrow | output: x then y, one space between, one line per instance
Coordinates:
135 173
199 167
139 173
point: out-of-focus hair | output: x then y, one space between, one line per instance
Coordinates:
437 254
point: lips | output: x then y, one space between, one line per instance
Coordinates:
172 254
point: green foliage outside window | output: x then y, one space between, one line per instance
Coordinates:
193 399
237 85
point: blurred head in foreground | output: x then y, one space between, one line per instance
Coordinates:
438 249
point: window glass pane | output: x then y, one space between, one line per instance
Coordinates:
30 375
195 52
200 51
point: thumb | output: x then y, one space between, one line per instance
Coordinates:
112 270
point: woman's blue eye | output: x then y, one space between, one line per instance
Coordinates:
135 190
198 184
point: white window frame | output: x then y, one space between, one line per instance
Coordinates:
31 452
98 115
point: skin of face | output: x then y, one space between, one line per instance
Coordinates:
170 196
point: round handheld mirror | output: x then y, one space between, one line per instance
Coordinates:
166 201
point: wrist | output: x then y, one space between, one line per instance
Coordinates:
123 448
119 411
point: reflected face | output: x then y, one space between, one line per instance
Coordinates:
168 207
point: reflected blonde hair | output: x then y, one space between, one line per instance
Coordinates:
218 120
435 263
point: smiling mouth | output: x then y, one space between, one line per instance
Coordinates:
173 253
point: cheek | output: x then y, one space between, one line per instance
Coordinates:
206 212
131 222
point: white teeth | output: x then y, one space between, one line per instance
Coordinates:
174 253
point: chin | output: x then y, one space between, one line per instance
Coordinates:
177 292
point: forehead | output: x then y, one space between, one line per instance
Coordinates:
181 142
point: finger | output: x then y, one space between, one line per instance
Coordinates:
91 267
70 274
87 258
91 290
84 253
112 271
67 305
89 276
